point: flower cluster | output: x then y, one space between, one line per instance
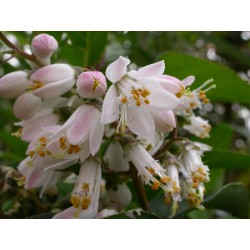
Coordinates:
134 121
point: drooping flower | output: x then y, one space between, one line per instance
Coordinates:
43 46
85 196
52 80
198 126
14 84
134 95
91 84
148 168
82 131
194 172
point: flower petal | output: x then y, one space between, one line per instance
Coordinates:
188 80
140 122
110 108
164 121
161 99
95 137
26 105
116 70
79 129
55 89
152 70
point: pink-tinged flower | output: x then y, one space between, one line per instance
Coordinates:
148 168
164 120
13 84
105 213
133 96
83 131
198 126
52 80
194 172
91 84
33 126
121 195
191 100
26 105
36 175
43 46
85 196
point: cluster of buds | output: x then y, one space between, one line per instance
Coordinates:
134 116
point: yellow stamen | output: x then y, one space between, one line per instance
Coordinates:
85 202
146 101
165 179
95 84
124 99
155 185
138 103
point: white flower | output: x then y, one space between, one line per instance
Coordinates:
198 126
52 80
134 95
85 196
148 168
81 132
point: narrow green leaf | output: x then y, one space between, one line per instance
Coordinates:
229 87
226 159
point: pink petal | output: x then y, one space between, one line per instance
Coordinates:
78 131
110 108
53 73
95 137
152 70
164 121
140 122
26 105
55 89
116 70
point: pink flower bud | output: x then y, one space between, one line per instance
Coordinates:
91 84
43 46
52 80
13 84
26 106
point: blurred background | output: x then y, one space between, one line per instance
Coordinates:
223 56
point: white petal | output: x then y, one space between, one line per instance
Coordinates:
164 121
140 122
26 105
78 131
188 80
161 99
110 108
55 89
53 73
95 137
116 70
152 70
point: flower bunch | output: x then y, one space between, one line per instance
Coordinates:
107 131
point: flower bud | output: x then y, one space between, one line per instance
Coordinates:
13 84
122 196
52 80
91 84
43 46
26 106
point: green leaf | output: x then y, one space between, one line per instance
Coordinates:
229 86
215 139
226 159
232 198
134 214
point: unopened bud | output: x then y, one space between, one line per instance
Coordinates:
26 106
91 84
13 84
43 46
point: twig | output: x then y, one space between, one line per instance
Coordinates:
19 51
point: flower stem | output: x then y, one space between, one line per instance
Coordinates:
137 181
19 51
